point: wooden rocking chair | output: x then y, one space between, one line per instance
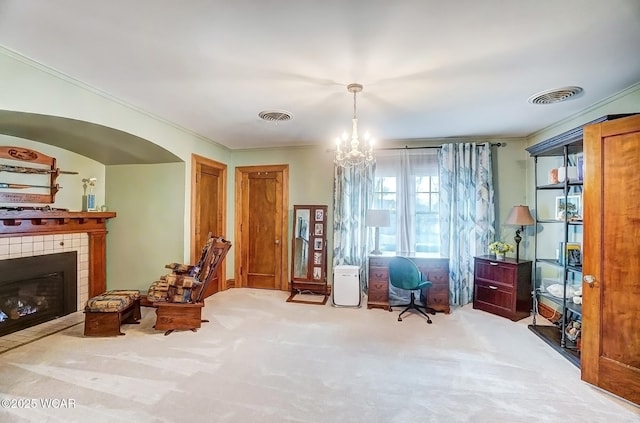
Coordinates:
181 308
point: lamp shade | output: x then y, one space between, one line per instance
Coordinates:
378 218
520 216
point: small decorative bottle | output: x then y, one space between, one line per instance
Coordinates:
89 200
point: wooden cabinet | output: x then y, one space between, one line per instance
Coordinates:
502 287
435 269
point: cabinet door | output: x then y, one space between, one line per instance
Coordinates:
611 302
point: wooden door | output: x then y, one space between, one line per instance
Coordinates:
261 226
208 207
611 271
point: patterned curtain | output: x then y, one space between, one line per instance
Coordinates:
467 212
352 195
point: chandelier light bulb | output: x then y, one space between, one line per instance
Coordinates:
354 153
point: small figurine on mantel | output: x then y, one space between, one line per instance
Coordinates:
89 200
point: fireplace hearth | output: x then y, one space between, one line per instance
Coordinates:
36 289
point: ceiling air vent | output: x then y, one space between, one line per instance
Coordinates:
275 115
555 96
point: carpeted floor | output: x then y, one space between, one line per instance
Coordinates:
265 360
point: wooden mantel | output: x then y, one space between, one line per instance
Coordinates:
50 222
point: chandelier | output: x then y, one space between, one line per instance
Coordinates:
351 153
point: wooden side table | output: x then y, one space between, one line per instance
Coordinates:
502 287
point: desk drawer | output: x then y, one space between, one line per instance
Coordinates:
378 291
438 298
379 274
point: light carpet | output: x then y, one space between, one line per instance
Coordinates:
265 360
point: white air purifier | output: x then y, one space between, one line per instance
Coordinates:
346 286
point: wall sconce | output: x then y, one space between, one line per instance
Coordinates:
377 219
519 216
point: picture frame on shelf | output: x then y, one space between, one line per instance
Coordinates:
569 207
571 252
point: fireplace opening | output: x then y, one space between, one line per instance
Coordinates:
37 289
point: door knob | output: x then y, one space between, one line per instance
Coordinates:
590 279
277 241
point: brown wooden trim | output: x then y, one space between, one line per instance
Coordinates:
592 240
284 284
97 263
196 162
29 222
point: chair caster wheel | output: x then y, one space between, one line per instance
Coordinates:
399 319
429 322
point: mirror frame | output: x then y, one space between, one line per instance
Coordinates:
316 259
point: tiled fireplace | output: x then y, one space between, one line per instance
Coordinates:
35 233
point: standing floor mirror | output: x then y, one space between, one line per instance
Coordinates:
309 254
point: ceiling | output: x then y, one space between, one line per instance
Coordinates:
430 69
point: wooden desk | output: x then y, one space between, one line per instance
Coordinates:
433 268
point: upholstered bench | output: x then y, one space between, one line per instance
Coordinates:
105 313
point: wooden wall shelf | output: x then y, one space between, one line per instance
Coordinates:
30 158
36 222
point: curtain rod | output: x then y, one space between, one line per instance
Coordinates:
406 147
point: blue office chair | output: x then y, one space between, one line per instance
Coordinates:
404 274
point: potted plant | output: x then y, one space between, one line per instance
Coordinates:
499 249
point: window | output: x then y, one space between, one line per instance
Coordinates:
406 183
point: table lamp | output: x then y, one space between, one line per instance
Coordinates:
377 219
519 216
